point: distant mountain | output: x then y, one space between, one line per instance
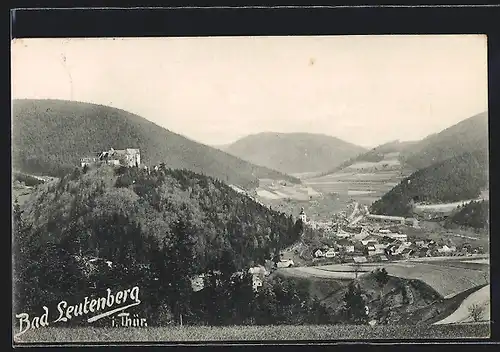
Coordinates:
458 178
294 152
50 137
465 136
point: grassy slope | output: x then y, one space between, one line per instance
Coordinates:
50 134
256 333
294 152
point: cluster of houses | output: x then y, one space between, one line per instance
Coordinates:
374 241
384 245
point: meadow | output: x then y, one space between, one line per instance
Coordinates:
256 333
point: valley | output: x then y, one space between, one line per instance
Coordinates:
319 221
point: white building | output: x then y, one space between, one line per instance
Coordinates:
330 253
349 249
319 253
256 282
446 249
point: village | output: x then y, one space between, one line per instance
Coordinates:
368 238
358 238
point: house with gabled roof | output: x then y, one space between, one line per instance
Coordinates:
319 253
330 253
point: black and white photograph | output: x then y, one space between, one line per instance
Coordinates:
250 188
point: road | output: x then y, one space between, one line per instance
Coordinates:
316 272
462 315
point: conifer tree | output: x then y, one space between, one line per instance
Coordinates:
354 308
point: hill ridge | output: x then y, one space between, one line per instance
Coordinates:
293 152
50 135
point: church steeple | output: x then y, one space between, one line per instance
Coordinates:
302 215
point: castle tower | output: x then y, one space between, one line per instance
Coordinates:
302 215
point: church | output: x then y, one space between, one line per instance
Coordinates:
302 215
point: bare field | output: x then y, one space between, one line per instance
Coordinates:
369 164
173 334
269 189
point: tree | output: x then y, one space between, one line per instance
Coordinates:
476 311
382 278
354 305
178 259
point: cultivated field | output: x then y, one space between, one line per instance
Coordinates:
256 333
364 187
321 208
269 189
445 277
448 276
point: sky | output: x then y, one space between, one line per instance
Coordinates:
366 90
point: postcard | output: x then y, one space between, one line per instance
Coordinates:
295 188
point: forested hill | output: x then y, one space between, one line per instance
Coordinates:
474 214
294 152
455 179
157 229
465 136
50 137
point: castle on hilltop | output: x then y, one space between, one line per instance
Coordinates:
124 157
